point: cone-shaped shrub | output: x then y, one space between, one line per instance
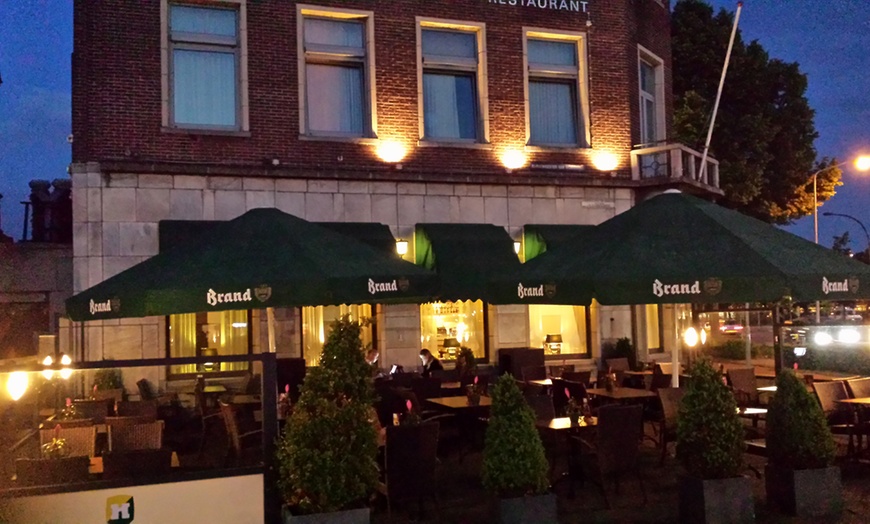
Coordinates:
798 436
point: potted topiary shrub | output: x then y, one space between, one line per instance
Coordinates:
327 454
710 447
514 464
800 478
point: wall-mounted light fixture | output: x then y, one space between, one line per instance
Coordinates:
47 373
605 161
391 152
513 159
66 372
517 246
17 384
402 247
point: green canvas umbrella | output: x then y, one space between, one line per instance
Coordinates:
676 248
264 258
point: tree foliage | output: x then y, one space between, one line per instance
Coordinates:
798 436
764 131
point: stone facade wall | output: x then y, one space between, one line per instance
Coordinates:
115 225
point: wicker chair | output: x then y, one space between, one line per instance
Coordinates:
130 420
235 435
670 399
744 386
71 423
583 377
140 463
542 405
136 436
80 441
841 418
97 410
410 463
534 373
44 472
138 408
115 395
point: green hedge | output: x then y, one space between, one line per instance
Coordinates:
854 360
736 350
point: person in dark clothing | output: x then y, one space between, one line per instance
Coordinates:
430 363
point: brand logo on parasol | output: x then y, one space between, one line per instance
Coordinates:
404 284
523 291
109 306
214 298
382 287
712 286
849 285
661 290
263 292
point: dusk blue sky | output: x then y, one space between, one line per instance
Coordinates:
828 38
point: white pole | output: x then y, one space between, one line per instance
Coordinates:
719 93
748 335
270 322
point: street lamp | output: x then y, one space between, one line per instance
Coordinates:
862 163
866 234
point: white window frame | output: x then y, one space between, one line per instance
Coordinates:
644 55
370 120
479 70
580 76
166 68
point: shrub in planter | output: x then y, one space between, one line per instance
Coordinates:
327 454
108 378
799 477
710 448
514 463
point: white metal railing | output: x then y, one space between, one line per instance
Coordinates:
673 161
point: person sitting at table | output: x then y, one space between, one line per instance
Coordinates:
372 357
430 363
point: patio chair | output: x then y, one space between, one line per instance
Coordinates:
577 390
138 464
426 387
204 414
52 471
859 387
131 420
136 436
615 451
146 408
665 368
558 371
667 428
534 373
70 423
618 364
97 410
446 375
115 395
80 441
841 418
542 405
659 380
583 377
237 436
410 463
744 386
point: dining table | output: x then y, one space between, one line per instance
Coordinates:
459 402
621 393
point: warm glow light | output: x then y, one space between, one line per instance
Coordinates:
402 247
517 246
16 384
65 373
703 336
47 361
239 325
604 161
513 159
391 151
823 338
690 337
65 360
862 163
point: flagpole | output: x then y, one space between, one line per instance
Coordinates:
703 170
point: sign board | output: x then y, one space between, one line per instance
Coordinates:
576 6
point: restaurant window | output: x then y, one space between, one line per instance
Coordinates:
452 82
204 55
560 330
651 91
445 327
653 324
209 334
556 90
317 324
336 76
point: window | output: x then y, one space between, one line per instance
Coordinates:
451 83
571 322
653 325
335 79
447 326
204 54
652 124
205 334
556 92
316 326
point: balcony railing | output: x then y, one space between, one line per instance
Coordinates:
674 162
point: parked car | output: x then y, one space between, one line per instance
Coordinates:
731 327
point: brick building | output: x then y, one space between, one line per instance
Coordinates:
400 112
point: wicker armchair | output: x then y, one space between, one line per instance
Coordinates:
80 441
127 437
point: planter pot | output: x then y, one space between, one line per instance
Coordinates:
804 492
540 509
718 501
351 516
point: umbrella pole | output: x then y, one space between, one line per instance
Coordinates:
675 354
270 323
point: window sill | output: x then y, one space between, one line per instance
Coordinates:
364 140
205 132
457 144
543 148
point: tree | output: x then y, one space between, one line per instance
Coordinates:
841 244
764 132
